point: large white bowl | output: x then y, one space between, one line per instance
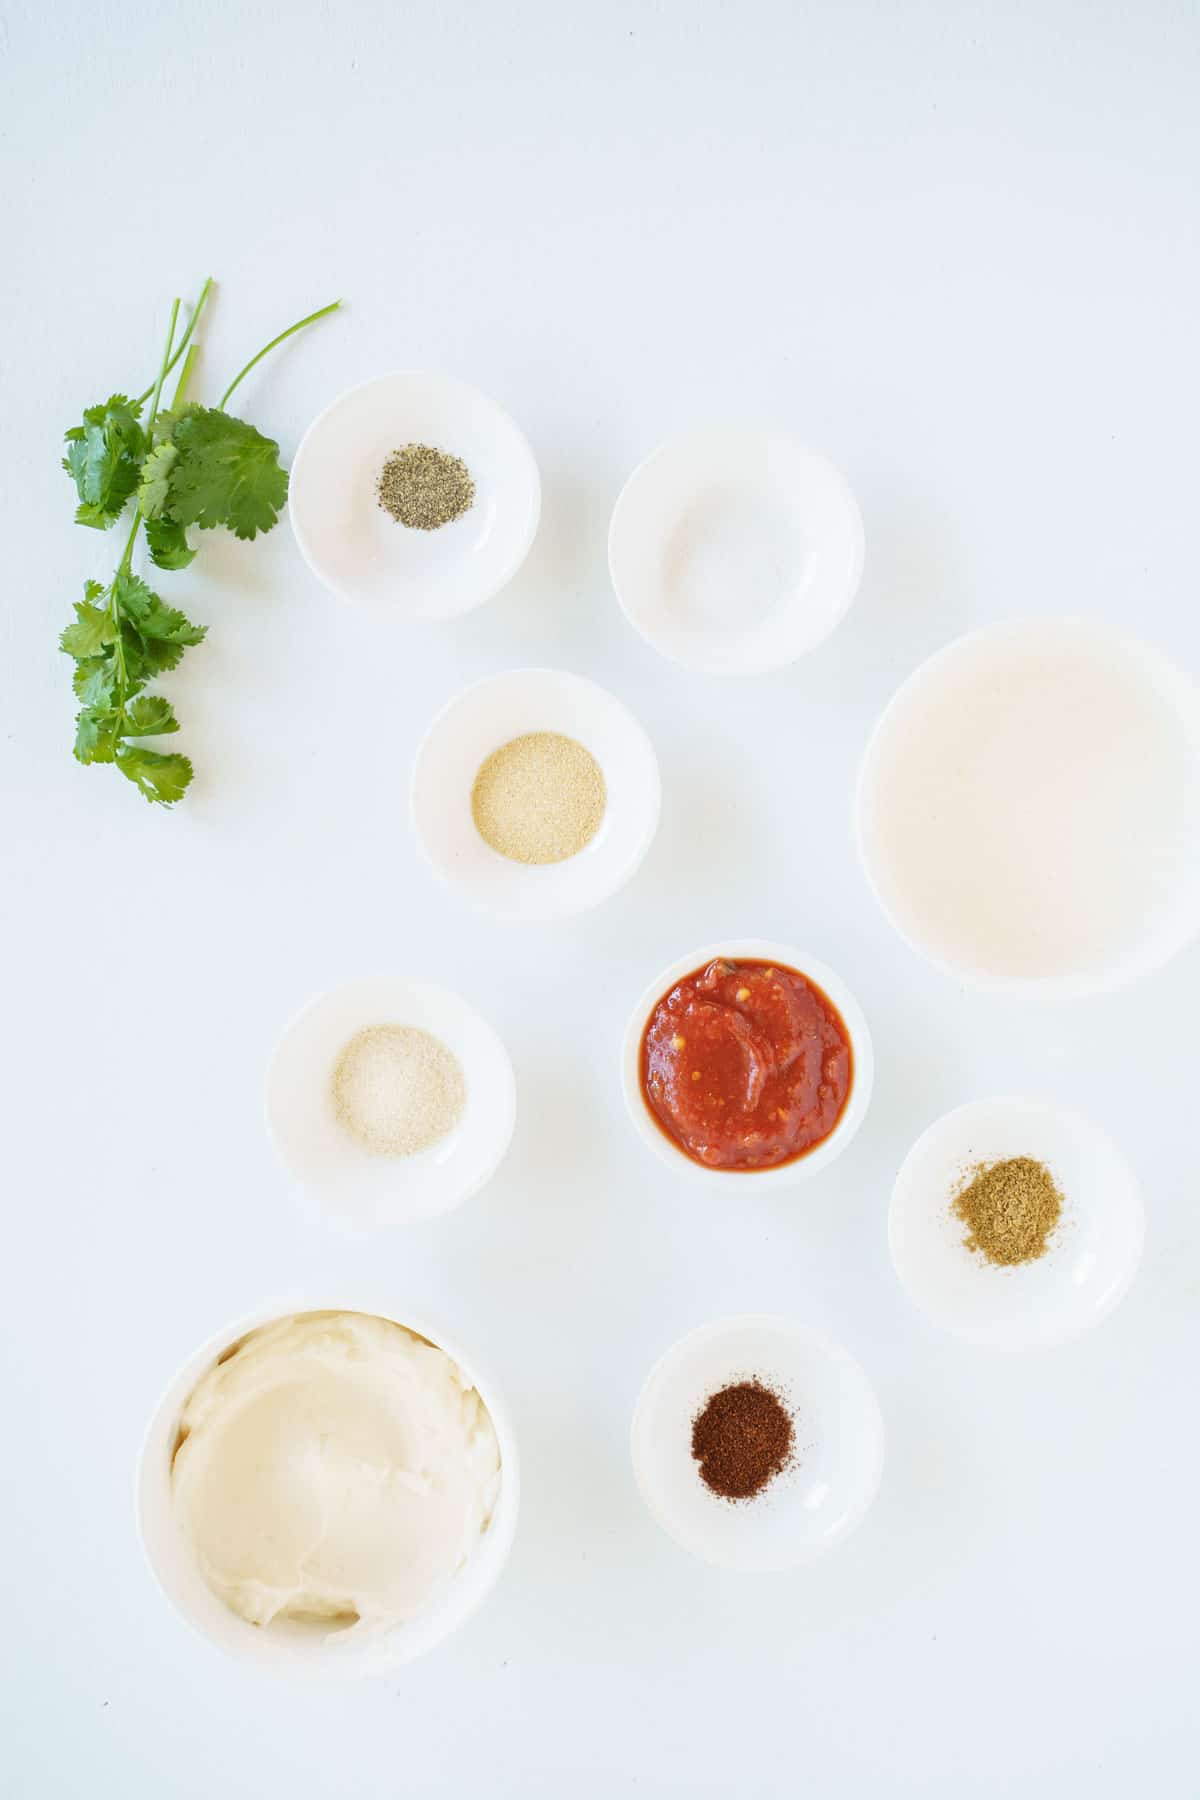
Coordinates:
367 1189
734 551
493 712
289 1644
1077 749
838 1461
354 547
750 1181
1093 1253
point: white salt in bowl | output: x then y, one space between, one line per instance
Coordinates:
1029 808
747 1182
1091 1257
360 1186
838 1451
734 551
291 1645
490 714
362 553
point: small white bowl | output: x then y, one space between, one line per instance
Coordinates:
326 1160
352 545
483 718
734 551
853 1018
1029 808
291 1644
1093 1253
838 1461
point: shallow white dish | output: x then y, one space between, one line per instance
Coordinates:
491 713
1029 808
1092 1255
325 1159
750 1181
733 551
838 1459
355 547
292 1644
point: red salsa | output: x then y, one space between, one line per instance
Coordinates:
746 1065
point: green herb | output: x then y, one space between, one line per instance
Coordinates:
189 465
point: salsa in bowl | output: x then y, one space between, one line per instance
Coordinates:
747 1058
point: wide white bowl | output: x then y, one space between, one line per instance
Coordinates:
290 1644
831 985
492 713
1029 808
323 1157
1093 1253
838 1461
734 551
354 547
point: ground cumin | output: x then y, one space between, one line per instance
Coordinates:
1009 1208
742 1438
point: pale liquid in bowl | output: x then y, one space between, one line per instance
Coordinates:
1031 810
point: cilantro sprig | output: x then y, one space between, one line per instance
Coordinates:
185 466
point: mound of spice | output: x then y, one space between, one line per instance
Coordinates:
539 798
424 488
742 1438
397 1089
1010 1209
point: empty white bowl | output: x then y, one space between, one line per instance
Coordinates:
1091 1257
734 551
490 714
838 1451
321 1154
1029 808
357 549
853 1018
292 1644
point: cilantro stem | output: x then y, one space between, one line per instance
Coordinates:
298 326
182 345
123 567
185 375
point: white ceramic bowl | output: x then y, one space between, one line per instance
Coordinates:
838 1460
492 713
354 547
734 551
1029 808
323 1157
832 986
1093 1253
290 1644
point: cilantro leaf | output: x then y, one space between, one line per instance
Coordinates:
152 716
162 779
93 627
226 473
104 456
96 682
167 544
96 735
156 476
160 634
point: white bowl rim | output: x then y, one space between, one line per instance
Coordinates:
828 1347
420 1634
1083 984
430 989
742 427
840 996
1071 1116
532 913
476 396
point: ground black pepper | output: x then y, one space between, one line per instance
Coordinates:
742 1438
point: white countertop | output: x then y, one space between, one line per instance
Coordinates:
959 256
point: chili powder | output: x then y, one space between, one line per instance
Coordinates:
742 1437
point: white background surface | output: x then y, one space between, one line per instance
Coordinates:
955 250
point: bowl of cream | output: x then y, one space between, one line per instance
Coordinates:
328 1489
